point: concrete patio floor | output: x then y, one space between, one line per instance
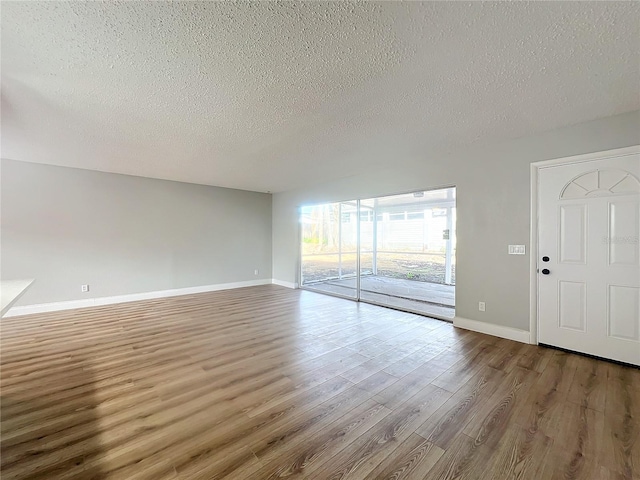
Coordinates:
422 297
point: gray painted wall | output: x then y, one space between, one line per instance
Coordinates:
122 234
493 195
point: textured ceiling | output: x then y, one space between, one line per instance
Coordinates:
270 96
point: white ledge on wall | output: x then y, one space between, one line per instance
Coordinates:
11 291
132 297
492 329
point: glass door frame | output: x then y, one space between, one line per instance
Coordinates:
357 297
299 278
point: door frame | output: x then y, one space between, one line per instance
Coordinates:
299 277
533 240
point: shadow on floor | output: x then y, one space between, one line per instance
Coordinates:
48 419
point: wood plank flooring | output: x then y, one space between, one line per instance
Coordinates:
267 382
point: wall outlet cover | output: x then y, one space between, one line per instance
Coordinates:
517 250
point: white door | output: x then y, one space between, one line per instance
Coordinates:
589 257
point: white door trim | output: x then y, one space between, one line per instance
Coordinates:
533 240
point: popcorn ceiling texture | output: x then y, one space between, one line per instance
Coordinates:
271 96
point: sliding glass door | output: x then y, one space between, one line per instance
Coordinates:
396 251
330 248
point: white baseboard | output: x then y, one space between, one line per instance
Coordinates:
493 329
132 297
282 283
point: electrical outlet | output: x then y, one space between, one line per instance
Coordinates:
256 272
84 288
481 306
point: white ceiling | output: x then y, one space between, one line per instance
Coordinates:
273 96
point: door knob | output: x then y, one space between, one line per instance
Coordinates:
546 271
545 259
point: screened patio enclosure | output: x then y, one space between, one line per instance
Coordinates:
396 251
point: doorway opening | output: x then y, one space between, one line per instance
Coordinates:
397 251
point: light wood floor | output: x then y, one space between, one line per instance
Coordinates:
268 382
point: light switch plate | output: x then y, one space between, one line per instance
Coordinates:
517 250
